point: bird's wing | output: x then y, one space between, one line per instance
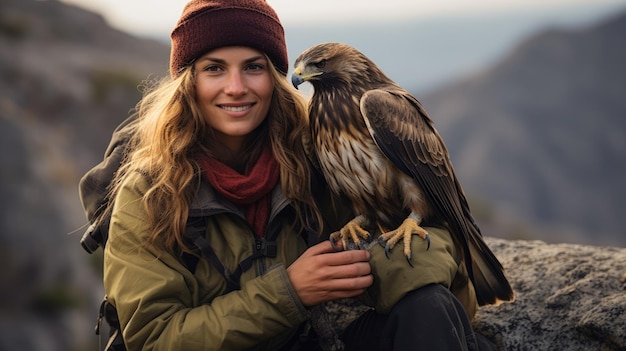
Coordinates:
405 134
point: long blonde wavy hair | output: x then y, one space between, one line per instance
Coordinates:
170 132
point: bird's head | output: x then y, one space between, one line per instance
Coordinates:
333 65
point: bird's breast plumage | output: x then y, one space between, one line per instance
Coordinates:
353 165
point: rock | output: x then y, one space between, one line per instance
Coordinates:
568 297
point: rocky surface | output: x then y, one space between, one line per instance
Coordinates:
568 297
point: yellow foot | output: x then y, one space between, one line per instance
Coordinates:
405 231
351 232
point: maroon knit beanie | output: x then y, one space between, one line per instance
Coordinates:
210 24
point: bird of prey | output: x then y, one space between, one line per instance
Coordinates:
375 144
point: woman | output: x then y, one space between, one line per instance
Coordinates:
220 141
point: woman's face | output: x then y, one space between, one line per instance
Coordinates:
233 90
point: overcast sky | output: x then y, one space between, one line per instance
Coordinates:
157 17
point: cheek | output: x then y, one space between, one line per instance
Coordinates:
265 87
205 89
203 93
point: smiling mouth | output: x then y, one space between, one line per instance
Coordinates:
236 108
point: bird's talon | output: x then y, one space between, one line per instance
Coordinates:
332 244
345 244
408 259
427 241
381 241
387 250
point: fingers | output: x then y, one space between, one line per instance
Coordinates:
356 285
341 288
336 258
355 276
344 271
323 247
322 274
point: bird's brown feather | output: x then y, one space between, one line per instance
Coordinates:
405 133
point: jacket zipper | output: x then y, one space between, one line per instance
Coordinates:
259 264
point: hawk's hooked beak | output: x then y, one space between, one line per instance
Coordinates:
298 77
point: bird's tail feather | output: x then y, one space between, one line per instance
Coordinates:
490 283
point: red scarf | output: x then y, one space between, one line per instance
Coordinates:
251 191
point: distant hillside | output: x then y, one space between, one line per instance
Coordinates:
66 80
542 134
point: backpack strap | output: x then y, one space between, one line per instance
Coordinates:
108 313
95 236
195 234
263 248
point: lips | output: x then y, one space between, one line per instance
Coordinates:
239 108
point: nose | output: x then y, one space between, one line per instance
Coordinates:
236 84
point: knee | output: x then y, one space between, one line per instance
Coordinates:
434 317
426 302
429 297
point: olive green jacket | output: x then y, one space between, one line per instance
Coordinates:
162 305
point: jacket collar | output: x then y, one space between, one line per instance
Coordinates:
207 202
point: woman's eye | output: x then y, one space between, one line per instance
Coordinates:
212 68
255 67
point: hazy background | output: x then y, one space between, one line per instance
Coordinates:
420 44
528 95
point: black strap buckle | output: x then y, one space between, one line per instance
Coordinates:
266 248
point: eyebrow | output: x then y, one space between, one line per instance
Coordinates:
251 59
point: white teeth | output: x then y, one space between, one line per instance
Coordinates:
236 108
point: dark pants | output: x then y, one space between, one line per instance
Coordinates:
430 318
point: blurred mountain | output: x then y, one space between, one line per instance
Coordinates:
537 139
66 80
541 135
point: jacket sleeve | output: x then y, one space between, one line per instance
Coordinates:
394 277
157 297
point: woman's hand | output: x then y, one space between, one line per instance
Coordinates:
321 274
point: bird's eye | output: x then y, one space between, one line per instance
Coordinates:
320 64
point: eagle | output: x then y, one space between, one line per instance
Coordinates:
376 145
